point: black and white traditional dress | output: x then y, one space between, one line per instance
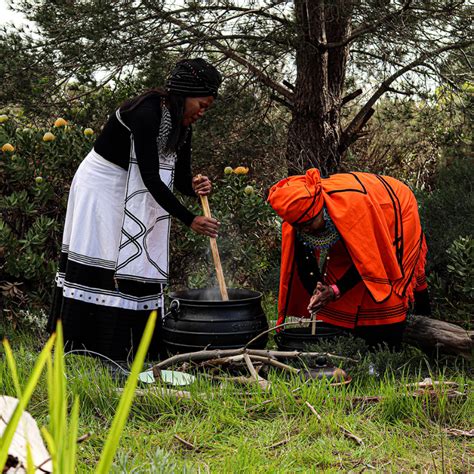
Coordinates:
115 249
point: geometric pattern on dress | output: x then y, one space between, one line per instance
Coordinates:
144 247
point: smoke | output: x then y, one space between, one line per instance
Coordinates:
213 294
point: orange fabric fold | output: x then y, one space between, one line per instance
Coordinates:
298 198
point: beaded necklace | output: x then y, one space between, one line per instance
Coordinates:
324 240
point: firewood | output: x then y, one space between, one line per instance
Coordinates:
433 335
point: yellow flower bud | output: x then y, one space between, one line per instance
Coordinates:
60 122
39 179
3 118
48 137
8 147
88 132
249 190
241 170
228 170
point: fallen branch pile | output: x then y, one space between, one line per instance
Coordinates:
253 360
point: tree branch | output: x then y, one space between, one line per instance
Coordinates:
358 121
243 11
262 77
351 96
366 28
281 101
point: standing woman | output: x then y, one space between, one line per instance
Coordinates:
114 255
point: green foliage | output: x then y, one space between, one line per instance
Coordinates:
446 215
90 107
241 129
454 293
62 434
447 211
461 266
413 140
35 179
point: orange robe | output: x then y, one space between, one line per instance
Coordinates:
377 218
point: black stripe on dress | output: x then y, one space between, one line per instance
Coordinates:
103 278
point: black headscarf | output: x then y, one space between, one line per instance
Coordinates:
194 78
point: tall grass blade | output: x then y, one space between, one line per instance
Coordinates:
125 403
10 429
30 464
12 366
59 399
50 442
71 440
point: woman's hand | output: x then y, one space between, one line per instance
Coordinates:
202 185
322 295
205 226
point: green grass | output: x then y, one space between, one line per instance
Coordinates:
233 431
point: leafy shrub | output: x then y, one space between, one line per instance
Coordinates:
454 294
446 212
446 215
248 242
461 267
35 178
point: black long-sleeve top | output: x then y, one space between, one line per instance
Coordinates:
308 270
113 144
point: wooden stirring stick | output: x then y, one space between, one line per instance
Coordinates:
313 323
215 253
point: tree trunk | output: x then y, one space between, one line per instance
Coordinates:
315 130
433 335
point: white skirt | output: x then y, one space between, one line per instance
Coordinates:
92 237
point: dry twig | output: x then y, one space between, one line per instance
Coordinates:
313 410
277 445
456 432
350 435
185 443
264 384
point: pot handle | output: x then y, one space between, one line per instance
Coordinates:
174 309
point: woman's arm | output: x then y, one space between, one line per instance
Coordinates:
348 280
307 266
183 175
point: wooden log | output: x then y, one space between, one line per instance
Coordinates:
432 335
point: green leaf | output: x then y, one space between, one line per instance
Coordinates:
125 403
12 366
30 464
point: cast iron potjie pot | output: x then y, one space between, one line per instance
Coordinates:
298 339
199 319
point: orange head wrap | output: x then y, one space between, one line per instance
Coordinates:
297 199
